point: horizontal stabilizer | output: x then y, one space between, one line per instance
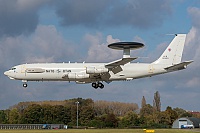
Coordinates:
179 66
119 62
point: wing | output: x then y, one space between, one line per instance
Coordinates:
179 66
119 62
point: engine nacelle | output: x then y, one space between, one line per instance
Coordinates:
94 70
78 75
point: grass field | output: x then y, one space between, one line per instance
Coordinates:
102 131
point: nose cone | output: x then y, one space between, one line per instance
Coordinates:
9 74
6 73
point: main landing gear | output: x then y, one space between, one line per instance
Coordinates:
98 84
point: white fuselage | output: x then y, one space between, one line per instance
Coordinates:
57 72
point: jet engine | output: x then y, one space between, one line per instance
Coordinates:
93 70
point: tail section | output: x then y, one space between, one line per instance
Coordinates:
173 54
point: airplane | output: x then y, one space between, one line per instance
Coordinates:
97 73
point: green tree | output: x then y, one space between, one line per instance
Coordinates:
179 111
46 115
32 114
111 121
96 122
156 102
86 114
73 114
170 116
130 119
143 103
14 116
186 114
146 110
148 116
67 115
164 118
3 117
58 112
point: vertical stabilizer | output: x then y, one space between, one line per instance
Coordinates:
173 53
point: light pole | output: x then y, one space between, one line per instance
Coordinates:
77 114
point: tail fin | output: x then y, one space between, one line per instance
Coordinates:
173 54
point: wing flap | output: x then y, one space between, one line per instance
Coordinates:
179 66
119 62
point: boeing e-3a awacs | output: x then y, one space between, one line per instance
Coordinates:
96 73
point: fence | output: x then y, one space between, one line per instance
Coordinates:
31 126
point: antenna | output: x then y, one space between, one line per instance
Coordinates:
126 47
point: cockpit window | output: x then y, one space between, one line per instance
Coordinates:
13 68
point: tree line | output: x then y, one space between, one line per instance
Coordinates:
99 114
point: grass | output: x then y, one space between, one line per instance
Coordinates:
103 131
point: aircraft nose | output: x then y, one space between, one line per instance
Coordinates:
9 74
6 73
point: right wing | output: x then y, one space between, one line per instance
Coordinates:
119 62
115 66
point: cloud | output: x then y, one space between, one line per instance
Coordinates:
18 16
194 12
192 49
87 12
140 13
192 45
24 5
194 82
192 53
106 13
98 50
46 44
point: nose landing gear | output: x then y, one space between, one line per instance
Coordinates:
98 84
24 83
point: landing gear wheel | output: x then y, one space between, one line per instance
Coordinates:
100 85
25 85
95 85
